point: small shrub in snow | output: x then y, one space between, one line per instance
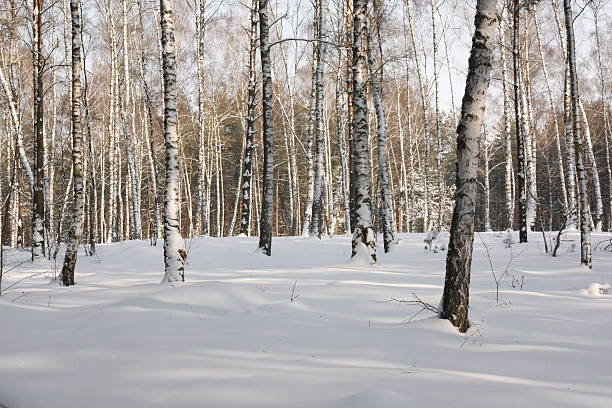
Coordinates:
605 245
518 282
597 289
508 241
436 241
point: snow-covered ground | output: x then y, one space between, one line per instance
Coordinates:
231 336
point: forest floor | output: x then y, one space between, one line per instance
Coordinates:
306 328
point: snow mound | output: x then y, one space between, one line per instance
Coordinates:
597 289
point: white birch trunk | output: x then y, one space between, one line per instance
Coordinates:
384 183
521 142
571 214
364 243
426 132
508 168
174 246
553 112
455 300
586 131
267 193
128 134
316 227
38 198
76 227
585 225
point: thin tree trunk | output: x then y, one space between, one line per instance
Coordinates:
149 136
586 130
343 173
509 197
569 138
486 158
128 134
38 199
316 227
585 225
76 227
14 114
247 161
521 174
551 105
267 193
426 133
439 169
384 184
606 124
310 139
529 136
201 222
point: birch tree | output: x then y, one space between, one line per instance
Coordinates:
455 300
128 133
363 244
508 168
76 227
251 103
585 224
569 137
38 199
553 110
521 172
425 107
317 203
603 81
267 193
586 133
201 207
384 182
174 246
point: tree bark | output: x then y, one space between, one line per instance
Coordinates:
521 173
201 221
508 169
267 193
38 199
128 134
384 182
76 227
247 161
553 110
585 224
174 246
455 300
426 132
586 131
364 243
316 227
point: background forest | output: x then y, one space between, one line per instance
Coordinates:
418 51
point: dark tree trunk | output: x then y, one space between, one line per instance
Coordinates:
247 161
38 198
521 172
267 194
